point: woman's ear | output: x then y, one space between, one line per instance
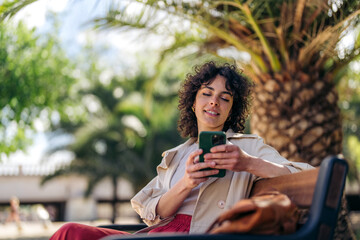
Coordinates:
193 106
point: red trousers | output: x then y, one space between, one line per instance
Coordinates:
77 231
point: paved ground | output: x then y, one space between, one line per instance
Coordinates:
33 230
29 230
39 231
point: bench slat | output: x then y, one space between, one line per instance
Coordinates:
299 187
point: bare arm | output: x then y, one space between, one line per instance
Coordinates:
171 201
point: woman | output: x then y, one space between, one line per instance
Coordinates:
182 198
14 212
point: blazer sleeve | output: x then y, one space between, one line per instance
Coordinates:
146 200
268 153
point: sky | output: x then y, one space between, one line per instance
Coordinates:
75 31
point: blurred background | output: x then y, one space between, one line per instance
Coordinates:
88 95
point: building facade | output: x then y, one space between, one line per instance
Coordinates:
63 197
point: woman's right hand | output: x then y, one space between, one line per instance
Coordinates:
170 202
193 175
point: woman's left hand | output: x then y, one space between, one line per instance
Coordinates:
233 158
229 157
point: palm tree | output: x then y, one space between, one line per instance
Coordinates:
292 54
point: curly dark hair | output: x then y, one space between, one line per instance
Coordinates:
236 83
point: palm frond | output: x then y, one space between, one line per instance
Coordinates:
234 41
9 8
324 42
123 19
274 62
300 6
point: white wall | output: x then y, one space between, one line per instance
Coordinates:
68 189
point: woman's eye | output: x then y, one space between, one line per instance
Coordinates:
206 94
225 99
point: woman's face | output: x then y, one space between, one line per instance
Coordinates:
212 105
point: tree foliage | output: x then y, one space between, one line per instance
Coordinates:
349 103
123 131
35 76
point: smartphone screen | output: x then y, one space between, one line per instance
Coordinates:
207 140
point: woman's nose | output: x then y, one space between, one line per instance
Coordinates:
214 101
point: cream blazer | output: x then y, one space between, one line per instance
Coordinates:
216 195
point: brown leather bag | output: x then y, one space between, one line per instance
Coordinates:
266 213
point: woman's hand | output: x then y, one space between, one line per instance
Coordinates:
229 157
193 175
170 202
232 158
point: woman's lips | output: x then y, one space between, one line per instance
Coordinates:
211 112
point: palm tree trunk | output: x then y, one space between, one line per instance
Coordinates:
343 230
299 116
115 199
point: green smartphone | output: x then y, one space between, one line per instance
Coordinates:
207 140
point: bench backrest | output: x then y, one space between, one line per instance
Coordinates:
320 190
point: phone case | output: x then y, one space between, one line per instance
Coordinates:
207 140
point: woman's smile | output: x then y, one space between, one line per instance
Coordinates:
211 112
